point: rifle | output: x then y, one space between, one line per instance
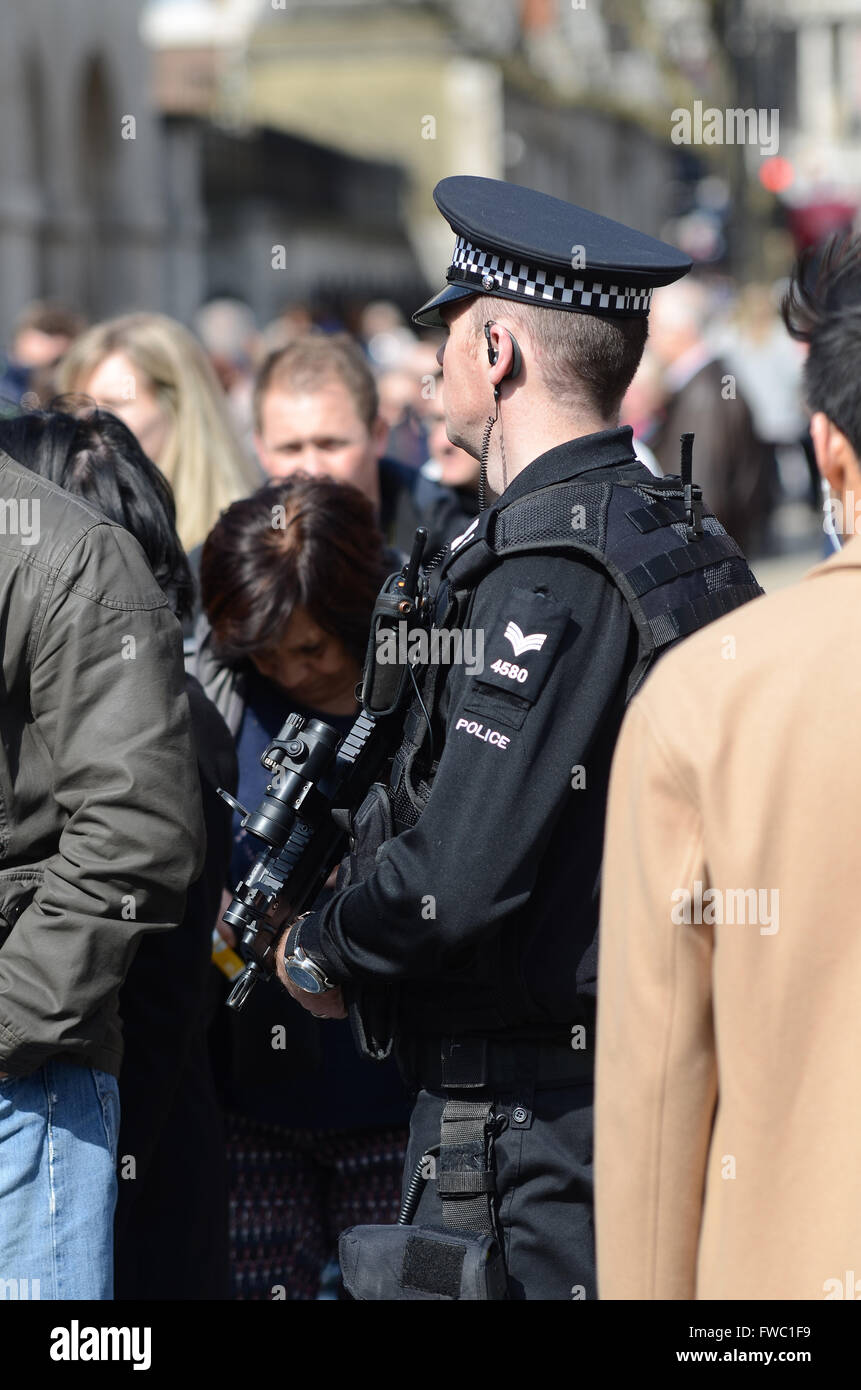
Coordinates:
318 781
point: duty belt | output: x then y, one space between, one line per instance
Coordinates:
464 1063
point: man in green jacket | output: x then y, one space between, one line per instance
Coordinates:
101 833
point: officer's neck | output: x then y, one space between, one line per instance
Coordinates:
528 431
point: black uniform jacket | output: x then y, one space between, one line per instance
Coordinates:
485 913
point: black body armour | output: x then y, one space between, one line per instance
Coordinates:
670 558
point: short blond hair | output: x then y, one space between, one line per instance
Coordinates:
585 361
312 361
202 459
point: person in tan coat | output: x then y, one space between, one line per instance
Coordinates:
728 1143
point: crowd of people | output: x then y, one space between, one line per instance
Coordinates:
270 480
194 451
717 362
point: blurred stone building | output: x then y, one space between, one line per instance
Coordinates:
95 206
158 152
394 95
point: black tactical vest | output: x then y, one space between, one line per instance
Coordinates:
639 529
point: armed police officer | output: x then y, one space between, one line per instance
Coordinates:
473 914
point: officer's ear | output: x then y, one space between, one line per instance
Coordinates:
503 353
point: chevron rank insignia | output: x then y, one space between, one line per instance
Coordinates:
522 643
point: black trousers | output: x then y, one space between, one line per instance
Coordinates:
544 1196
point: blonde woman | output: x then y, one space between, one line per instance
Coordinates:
152 373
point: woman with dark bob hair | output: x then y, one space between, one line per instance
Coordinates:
288 580
171 1217
316 1137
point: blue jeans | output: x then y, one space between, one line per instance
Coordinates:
58 1186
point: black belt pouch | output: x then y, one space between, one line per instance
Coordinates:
420 1262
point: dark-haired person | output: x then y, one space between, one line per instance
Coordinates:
317 411
289 577
479 920
171 1219
729 1032
101 835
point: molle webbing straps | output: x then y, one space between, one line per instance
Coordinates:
464 1181
673 584
671 560
696 613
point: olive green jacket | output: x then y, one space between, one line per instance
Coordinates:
101 828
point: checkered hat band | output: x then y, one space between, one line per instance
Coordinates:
489 272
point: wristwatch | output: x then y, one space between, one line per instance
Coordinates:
303 973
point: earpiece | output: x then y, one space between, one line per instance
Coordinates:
493 355
517 360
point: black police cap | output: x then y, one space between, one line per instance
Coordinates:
514 243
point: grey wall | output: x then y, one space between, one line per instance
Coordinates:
102 222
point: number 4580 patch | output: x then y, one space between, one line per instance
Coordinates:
511 670
523 642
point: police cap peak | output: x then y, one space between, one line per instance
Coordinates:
515 243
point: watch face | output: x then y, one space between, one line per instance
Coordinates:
302 977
